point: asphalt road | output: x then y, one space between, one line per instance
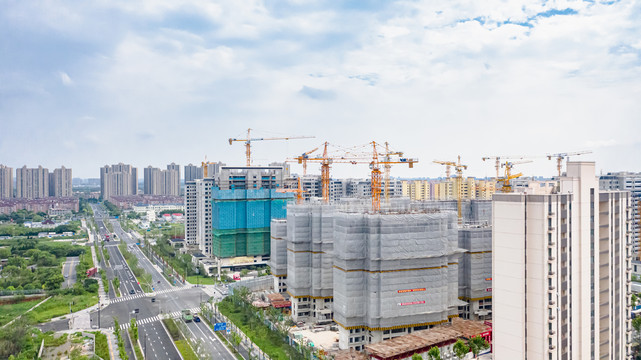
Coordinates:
69 271
153 338
187 298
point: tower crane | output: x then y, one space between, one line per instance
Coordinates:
249 140
497 160
388 167
299 192
459 180
507 180
376 172
560 156
205 167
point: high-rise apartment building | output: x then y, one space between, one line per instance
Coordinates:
416 189
198 225
631 182
119 179
32 183
60 183
193 172
6 182
561 271
162 182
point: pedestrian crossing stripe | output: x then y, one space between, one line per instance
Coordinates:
138 296
151 319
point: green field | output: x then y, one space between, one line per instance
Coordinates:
11 311
202 280
59 305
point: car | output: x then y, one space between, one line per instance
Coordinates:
132 291
196 318
159 281
153 299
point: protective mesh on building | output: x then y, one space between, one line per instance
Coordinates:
278 253
395 269
310 250
475 277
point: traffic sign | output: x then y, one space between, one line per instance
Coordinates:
220 326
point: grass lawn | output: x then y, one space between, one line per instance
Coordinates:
11 311
259 333
197 279
59 305
185 350
102 348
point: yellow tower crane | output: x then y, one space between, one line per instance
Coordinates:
206 167
507 179
388 167
560 156
249 140
459 181
498 158
376 171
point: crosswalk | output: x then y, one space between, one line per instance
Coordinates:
138 296
151 319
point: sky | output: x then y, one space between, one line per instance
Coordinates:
89 83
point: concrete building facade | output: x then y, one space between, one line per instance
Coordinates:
627 181
162 182
32 183
118 180
6 182
561 272
60 182
193 172
198 214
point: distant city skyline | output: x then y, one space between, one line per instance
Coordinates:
171 82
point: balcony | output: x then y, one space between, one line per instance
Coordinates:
551 273
551 242
552 302
552 347
551 229
551 258
552 287
552 332
552 317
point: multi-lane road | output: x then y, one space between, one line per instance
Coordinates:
149 308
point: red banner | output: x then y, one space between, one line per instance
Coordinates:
410 290
412 303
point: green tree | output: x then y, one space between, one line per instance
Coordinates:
460 349
116 282
636 324
417 357
434 353
634 299
235 340
477 344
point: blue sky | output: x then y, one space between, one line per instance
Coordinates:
83 84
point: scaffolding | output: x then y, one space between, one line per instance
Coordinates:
241 220
395 270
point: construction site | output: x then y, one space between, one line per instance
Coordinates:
366 271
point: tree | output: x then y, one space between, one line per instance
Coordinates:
636 324
417 357
460 349
235 340
634 299
477 344
434 353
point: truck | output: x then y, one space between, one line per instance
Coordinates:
187 316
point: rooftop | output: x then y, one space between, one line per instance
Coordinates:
423 339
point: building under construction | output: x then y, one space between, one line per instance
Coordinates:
376 275
475 271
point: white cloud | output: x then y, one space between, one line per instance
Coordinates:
64 78
435 79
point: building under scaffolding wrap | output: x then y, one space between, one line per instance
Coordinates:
475 272
393 273
278 254
310 251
